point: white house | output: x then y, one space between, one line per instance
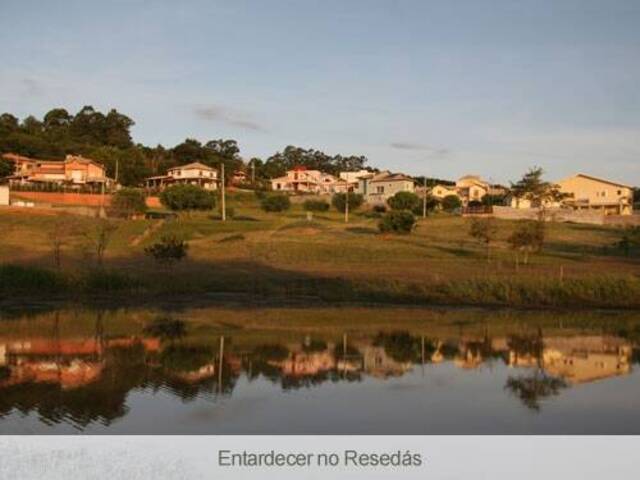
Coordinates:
301 180
191 174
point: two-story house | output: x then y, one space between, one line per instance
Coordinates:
301 180
195 173
379 187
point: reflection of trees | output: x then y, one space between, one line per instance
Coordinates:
403 347
531 389
166 328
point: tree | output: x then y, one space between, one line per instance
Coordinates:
62 231
539 193
98 239
451 203
129 202
275 203
339 201
490 200
484 230
528 237
404 201
168 250
187 197
7 167
397 221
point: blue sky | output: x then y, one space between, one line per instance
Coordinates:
440 88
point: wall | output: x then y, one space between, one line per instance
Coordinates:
4 195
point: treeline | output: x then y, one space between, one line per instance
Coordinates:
107 139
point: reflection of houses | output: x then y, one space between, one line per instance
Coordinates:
379 187
302 363
586 359
301 180
70 362
74 171
197 375
378 364
191 174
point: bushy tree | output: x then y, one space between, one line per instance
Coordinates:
528 237
451 203
397 221
339 201
539 193
484 230
129 202
404 201
315 206
187 197
275 203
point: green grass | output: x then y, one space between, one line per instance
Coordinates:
282 257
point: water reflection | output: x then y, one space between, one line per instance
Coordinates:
85 378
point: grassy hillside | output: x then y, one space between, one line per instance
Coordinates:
279 257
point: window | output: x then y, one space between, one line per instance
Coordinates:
380 189
619 192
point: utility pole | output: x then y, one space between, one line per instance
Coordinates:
223 205
253 171
346 202
424 199
117 168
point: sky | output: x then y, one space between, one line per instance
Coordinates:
441 88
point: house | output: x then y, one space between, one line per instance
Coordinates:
195 173
74 171
585 192
588 193
301 180
379 187
468 188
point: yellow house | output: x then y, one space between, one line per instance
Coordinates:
586 192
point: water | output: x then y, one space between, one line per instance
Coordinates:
319 371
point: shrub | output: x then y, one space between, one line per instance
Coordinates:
379 208
128 202
432 204
187 197
474 203
315 206
451 203
168 250
397 221
339 201
275 203
404 201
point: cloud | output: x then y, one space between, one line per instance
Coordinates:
219 113
419 147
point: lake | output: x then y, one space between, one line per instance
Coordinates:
352 370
